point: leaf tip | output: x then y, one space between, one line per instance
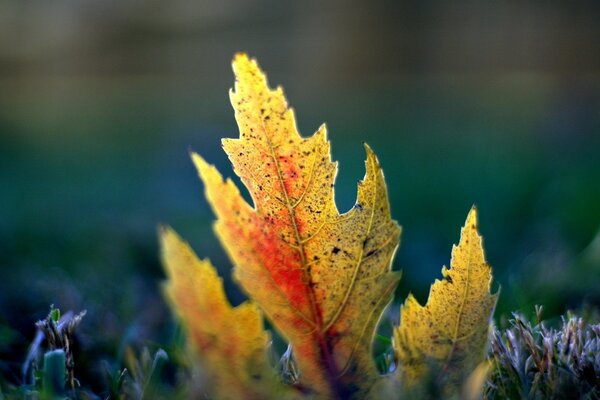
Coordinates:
243 65
239 56
321 132
168 240
372 162
410 299
242 61
197 158
165 234
472 217
202 166
163 231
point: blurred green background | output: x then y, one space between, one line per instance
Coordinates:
488 103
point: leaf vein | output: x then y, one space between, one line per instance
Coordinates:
359 261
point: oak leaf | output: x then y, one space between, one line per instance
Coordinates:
449 333
322 278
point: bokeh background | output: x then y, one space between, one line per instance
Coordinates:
488 103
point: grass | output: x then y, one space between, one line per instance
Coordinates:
529 359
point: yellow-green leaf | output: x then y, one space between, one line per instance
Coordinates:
229 343
322 278
450 332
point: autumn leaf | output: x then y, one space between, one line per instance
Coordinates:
230 342
450 332
322 278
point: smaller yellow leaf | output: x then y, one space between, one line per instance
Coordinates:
229 342
450 332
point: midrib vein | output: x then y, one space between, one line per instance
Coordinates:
292 214
324 349
358 263
455 336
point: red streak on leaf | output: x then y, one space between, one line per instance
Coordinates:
282 261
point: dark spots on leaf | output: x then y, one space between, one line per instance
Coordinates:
336 250
370 253
256 377
358 206
449 279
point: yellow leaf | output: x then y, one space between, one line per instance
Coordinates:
450 332
229 342
322 278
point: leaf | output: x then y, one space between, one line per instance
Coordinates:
322 278
230 342
450 332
